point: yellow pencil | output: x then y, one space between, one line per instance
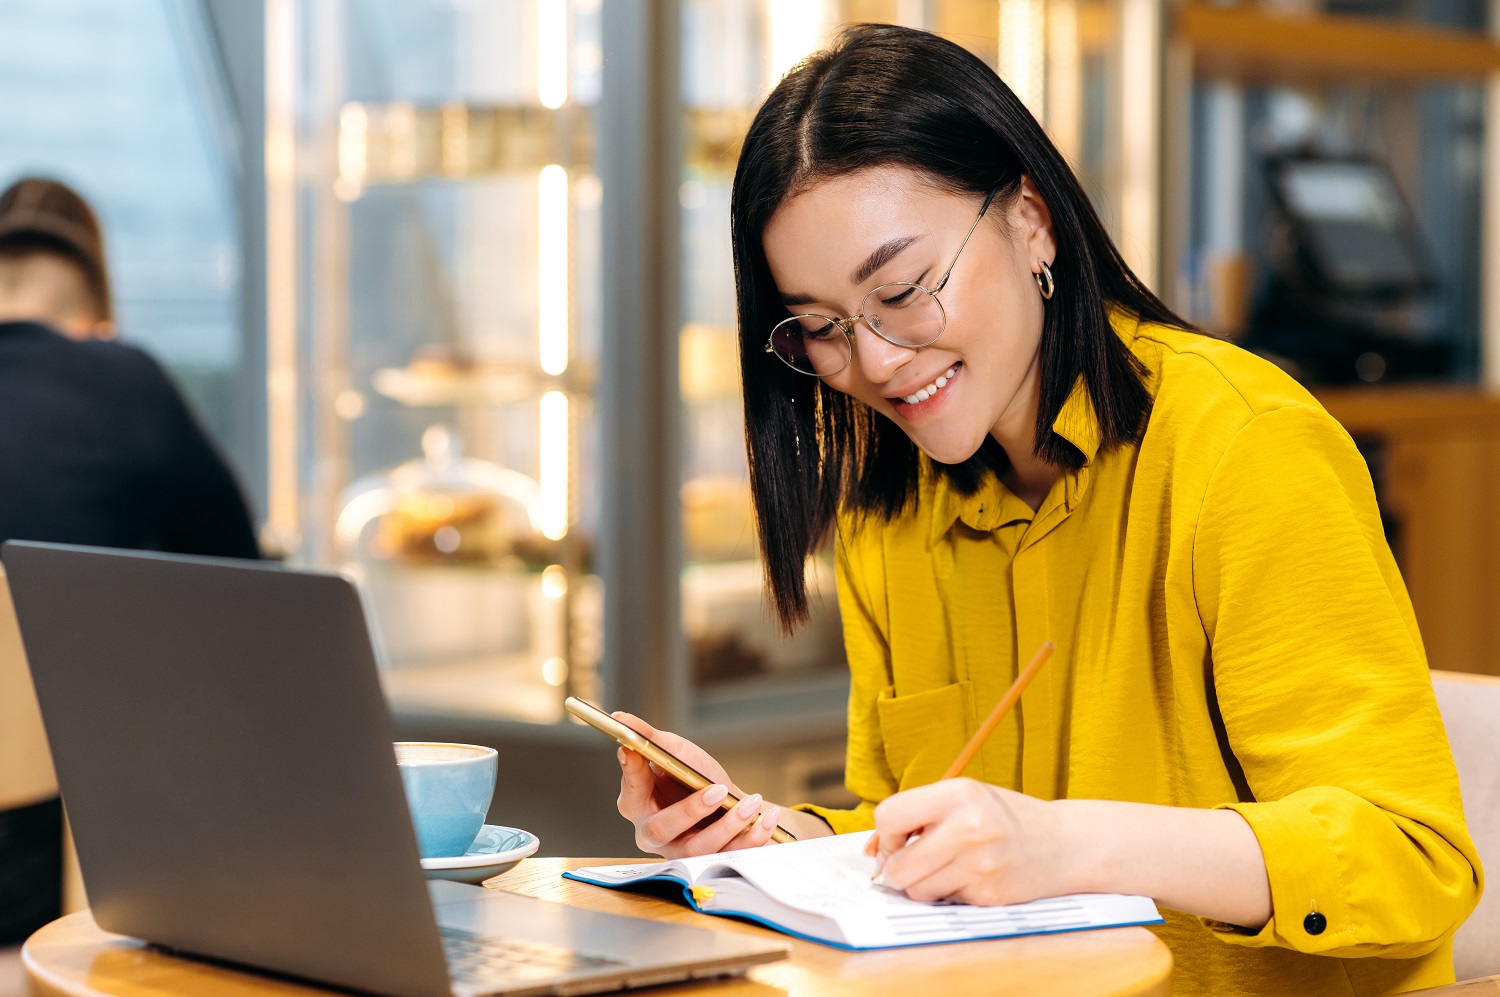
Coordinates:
992 721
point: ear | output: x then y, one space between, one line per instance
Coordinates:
1036 226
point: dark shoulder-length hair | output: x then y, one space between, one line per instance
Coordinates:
883 95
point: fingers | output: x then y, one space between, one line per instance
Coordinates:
663 828
684 826
919 858
905 814
677 745
948 880
635 772
637 785
758 833
720 835
635 723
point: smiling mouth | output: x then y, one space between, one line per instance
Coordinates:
928 391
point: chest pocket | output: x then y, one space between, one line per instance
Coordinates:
925 731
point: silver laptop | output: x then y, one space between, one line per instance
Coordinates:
224 754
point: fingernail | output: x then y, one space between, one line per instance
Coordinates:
771 817
620 754
748 805
713 794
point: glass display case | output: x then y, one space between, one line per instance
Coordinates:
449 322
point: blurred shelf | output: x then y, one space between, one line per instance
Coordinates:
1436 465
1413 410
485 383
406 143
1250 45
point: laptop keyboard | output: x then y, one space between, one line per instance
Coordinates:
483 959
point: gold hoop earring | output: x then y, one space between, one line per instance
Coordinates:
1044 282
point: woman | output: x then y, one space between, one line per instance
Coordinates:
1012 440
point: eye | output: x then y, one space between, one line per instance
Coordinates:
813 327
900 299
817 332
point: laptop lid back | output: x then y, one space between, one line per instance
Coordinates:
224 753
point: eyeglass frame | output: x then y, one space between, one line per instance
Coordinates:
846 325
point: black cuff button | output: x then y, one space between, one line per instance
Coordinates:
1314 923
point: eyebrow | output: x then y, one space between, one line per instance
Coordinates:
880 258
862 273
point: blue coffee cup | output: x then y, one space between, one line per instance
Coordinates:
448 790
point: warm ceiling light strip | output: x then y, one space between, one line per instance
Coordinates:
1023 40
552 52
552 269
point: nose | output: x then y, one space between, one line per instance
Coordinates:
878 359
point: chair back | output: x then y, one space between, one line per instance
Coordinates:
25 764
1470 705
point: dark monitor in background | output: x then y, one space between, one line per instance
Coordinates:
1354 232
1353 294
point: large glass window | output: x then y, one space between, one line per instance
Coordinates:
120 101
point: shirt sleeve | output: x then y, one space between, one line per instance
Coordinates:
866 772
1326 700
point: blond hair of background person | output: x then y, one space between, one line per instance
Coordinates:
949 368
97 446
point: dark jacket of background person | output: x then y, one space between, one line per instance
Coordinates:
98 447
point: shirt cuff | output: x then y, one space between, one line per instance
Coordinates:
1309 910
861 818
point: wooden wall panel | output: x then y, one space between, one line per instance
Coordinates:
1440 483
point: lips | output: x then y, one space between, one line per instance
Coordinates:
928 395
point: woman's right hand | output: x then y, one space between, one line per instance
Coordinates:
676 822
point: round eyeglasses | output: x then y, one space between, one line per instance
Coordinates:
901 313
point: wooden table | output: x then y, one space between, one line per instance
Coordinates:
72 957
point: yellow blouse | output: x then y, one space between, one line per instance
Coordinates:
1231 630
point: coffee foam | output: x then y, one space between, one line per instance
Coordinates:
427 752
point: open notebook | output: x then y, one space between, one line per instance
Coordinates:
820 889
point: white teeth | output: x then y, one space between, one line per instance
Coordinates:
925 393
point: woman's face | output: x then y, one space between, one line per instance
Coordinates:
819 241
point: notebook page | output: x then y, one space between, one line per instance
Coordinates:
834 882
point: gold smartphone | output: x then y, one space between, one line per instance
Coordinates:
664 759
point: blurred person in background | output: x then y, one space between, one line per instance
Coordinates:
97 446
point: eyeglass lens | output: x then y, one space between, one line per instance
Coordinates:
903 314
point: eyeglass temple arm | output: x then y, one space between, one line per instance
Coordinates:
982 209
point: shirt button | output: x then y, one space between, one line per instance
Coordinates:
1314 923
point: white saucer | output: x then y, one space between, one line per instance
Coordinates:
495 850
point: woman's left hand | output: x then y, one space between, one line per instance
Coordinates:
977 844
